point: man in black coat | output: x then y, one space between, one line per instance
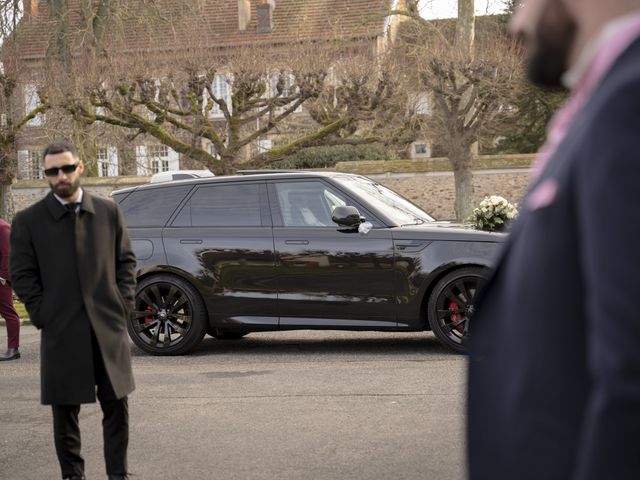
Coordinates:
554 372
73 267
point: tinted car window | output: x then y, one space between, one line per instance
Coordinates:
119 197
307 204
152 207
397 207
222 206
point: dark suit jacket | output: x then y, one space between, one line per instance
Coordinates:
5 229
554 372
73 272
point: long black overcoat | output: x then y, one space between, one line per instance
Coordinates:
76 273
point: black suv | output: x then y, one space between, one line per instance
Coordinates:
295 250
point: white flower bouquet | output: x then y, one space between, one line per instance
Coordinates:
493 214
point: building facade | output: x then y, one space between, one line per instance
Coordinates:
223 26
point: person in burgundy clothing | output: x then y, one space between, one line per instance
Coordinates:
6 298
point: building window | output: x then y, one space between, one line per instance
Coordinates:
107 158
31 102
264 145
221 88
157 85
420 148
156 158
30 165
210 148
283 85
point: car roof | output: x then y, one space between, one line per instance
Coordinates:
246 175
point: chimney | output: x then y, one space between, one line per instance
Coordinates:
264 11
30 7
244 14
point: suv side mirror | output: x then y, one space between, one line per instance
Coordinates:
347 216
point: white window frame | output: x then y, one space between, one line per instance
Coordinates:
210 148
264 145
415 154
30 165
289 85
31 102
221 87
156 96
107 159
102 110
149 160
421 103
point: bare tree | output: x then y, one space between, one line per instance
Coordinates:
74 55
219 105
470 79
215 108
13 116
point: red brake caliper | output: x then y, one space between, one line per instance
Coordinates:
150 318
456 317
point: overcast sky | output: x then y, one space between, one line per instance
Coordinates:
449 8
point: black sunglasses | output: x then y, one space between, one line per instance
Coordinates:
53 171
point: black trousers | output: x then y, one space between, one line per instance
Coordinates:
115 426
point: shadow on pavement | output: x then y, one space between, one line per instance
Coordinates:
352 343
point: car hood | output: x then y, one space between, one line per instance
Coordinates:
446 231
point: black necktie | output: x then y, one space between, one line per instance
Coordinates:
72 207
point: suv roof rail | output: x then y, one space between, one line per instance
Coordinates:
267 171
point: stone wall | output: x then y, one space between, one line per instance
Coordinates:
27 192
435 192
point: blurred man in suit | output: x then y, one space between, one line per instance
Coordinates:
554 371
7 311
73 267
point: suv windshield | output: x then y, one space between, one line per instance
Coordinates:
399 209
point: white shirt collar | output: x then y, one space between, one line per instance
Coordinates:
64 202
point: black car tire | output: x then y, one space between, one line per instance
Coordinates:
169 317
451 303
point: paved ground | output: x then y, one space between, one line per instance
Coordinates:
295 405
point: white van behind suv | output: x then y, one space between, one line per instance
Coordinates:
171 175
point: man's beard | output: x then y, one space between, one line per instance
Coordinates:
549 60
67 189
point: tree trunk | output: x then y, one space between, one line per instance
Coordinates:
127 160
227 166
8 167
62 64
6 202
84 140
465 27
462 161
461 155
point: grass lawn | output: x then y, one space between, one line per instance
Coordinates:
22 312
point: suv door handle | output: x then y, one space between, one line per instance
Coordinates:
188 241
296 242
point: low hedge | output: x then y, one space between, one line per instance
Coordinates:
440 164
327 157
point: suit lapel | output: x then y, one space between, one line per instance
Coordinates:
55 208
